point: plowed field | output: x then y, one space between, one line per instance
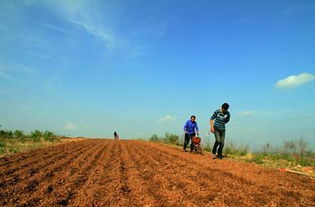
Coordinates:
98 172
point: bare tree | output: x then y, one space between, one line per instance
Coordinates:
266 148
301 148
297 148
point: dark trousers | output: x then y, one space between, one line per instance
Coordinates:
187 139
219 141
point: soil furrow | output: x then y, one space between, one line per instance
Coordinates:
60 177
233 185
109 185
23 157
90 192
262 192
69 185
42 162
133 184
28 182
102 172
33 170
160 181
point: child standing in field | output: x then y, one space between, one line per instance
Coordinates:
217 126
190 129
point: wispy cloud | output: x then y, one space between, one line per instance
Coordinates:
56 28
104 34
247 113
287 11
92 18
166 118
7 71
4 75
70 126
23 68
88 16
42 56
295 80
95 18
4 72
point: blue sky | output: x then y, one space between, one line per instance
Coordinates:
87 68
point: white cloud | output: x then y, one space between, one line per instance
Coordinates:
4 72
70 126
104 34
23 68
4 75
42 56
56 28
295 80
89 17
7 71
99 19
166 118
246 113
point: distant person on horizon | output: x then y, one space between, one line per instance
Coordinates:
116 135
217 126
190 129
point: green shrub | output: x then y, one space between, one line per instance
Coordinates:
6 134
297 148
208 147
306 162
2 150
13 149
48 136
266 149
22 139
36 135
171 138
2 147
18 134
244 150
258 159
2 133
154 138
232 149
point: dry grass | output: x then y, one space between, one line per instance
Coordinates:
11 146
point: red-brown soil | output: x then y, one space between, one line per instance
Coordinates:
98 172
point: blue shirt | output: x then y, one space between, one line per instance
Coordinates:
191 127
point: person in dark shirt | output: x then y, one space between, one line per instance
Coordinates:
217 126
116 135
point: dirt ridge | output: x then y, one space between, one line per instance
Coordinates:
102 172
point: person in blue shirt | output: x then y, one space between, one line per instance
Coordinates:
190 129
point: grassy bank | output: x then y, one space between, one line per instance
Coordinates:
18 141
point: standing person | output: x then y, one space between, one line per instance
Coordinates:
116 135
190 129
217 126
